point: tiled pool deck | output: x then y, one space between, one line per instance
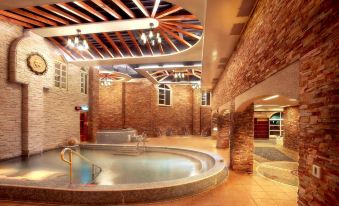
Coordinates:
239 189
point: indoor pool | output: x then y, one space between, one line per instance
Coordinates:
155 174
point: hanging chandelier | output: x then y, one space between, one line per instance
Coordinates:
106 81
77 42
150 36
178 76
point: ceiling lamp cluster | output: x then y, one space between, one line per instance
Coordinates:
150 36
77 42
196 86
179 76
106 81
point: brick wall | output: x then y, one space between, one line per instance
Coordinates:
34 114
291 128
242 141
10 96
135 104
279 33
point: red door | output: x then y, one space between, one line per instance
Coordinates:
83 126
261 128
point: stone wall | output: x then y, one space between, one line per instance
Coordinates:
135 104
278 34
35 115
291 128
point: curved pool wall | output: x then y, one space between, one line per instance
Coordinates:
124 193
119 136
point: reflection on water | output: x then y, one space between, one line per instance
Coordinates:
147 167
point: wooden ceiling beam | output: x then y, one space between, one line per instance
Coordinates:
169 41
93 46
149 48
135 42
21 18
184 25
124 8
56 43
47 15
91 10
17 22
122 41
108 9
161 49
182 31
168 11
97 39
33 16
183 41
178 18
141 7
75 11
61 13
114 46
155 8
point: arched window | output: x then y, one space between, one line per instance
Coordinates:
164 95
276 124
84 80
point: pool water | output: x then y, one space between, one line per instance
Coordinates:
116 169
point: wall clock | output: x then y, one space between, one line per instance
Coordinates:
37 64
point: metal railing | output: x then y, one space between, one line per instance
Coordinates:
141 139
70 163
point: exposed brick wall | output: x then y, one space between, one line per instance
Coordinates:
319 120
242 141
10 97
137 107
206 114
35 115
196 112
93 101
279 33
110 106
291 128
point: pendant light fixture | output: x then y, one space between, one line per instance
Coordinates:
77 42
150 36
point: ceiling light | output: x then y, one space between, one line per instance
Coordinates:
293 100
271 97
259 105
172 65
150 37
77 42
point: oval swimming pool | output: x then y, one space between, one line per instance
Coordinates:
157 174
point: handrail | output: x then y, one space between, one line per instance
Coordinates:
70 162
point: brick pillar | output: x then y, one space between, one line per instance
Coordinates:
242 141
196 117
291 127
33 124
224 130
93 99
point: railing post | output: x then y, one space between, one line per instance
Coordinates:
70 167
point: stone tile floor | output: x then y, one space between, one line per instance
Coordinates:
238 190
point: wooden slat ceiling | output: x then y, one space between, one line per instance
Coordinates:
162 75
179 29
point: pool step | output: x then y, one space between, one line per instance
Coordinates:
133 151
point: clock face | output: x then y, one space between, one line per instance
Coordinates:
37 64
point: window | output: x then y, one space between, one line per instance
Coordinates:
83 81
206 98
276 124
164 96
60 78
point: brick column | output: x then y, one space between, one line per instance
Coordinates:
242 141
196 117
93 114
291 127
33 124
224 130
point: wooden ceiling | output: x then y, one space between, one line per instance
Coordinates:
179 28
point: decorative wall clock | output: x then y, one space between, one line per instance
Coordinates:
37 64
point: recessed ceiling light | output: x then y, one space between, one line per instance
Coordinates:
271 97
293 100
259 105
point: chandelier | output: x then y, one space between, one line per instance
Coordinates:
150 36
178 76
106 81
196 86
77 42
